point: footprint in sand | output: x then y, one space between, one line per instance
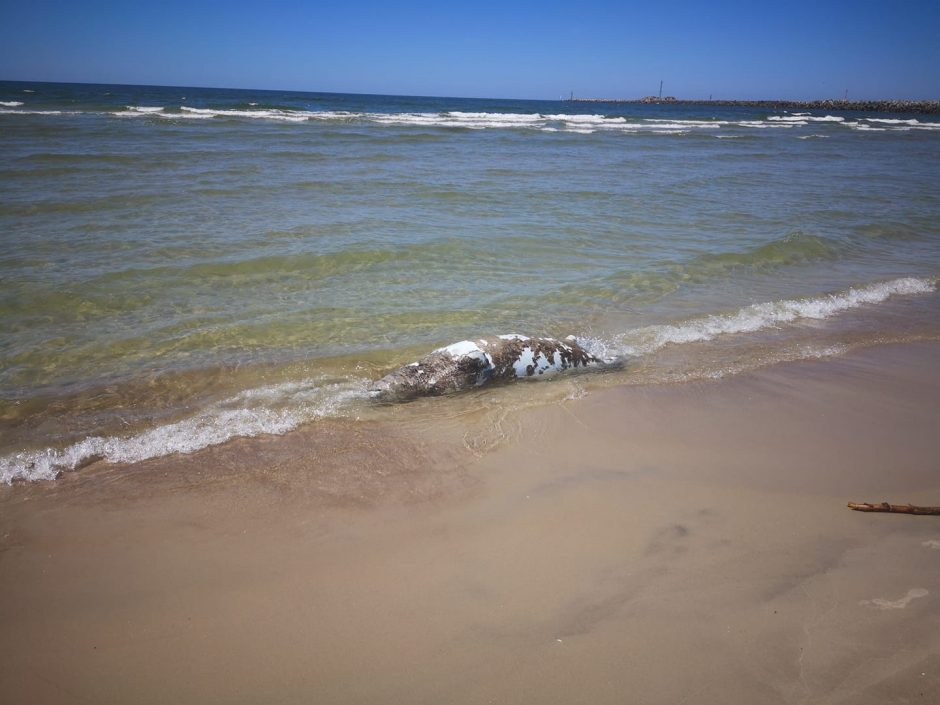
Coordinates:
884 604
932 543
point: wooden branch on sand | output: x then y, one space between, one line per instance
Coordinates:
896 508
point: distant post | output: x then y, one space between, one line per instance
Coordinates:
660 90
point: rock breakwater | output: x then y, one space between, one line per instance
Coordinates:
923 107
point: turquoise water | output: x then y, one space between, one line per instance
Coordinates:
196 264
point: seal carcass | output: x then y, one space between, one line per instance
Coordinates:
471 363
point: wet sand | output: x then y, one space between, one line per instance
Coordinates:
671 544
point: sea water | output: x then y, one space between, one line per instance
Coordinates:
182 266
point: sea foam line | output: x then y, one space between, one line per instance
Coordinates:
274 409
751 319
41 112
283 115
803 117
555 122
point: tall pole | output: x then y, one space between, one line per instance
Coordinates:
660 90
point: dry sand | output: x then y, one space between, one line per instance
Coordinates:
671 544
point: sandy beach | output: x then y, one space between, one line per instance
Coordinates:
684 543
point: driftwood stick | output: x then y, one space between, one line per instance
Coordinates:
895 508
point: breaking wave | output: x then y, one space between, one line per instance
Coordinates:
142 110
751 319
549 122
275 409
205 113
804 118
40 112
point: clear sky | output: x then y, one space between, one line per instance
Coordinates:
749 49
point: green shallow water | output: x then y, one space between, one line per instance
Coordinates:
155 262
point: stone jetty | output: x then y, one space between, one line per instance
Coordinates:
924 107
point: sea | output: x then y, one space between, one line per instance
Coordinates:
181 267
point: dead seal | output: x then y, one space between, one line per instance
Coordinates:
471 363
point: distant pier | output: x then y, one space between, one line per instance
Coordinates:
923 107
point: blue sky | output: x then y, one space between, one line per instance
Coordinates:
742 50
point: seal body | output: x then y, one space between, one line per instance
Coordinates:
471 363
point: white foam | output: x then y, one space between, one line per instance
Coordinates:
806 118
587 119
496 117
186 116
885 604
343 115
585 124
560 122
811 352
10 103
138 111
752 318
893 121
281 115
763 124
475 121
275 409
39 112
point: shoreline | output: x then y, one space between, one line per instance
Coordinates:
922 107
212 406
668 541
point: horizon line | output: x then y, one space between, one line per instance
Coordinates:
560 99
